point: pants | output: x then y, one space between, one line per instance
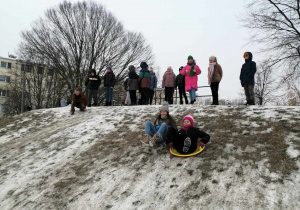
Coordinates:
169 91
133 96
151 130
145 96
109 93
92 93
214 86
127 100
151 95
192 94
249 92
79 105
182 93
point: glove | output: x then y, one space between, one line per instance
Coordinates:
201 144
171 144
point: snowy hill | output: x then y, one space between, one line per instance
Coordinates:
52 160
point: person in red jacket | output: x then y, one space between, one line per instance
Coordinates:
79 100
168 83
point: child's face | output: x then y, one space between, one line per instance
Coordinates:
76 92
246 57
191 60
186 123
92 74
163 114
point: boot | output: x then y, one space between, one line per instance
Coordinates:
89 105
72 112
106 103
110 103
186 102
251 102
181 102
95 104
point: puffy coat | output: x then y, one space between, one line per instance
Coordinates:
93 82
168 79
248 71
218 74
180 81
144 76
190 81
133 80
109 79
153 82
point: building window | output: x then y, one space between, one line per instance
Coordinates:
4 78
6 65
26 68
4 93
40 70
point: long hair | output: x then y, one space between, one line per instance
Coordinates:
171 119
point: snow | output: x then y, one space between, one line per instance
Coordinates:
92 160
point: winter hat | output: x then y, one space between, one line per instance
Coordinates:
131 68
143 65
190 57
108 68
164 107
181 67
93 71
169 68
213 58
190 118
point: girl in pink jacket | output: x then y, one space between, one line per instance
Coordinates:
191 72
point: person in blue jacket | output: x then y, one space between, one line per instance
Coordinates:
247 77
153 84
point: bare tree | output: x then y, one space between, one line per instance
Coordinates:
276 25
75 37
265 83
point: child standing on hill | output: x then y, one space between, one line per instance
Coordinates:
191 72
185 140
159 129
168 83
180 83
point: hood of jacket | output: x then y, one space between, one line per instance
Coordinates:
144 65
250 57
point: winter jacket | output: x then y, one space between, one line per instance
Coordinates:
179 81
193 133
218 74
144 78
153 82
168 79
248 71
190 81
133 80
93 82
81 98
161 121
109 79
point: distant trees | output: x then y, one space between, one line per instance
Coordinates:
75 37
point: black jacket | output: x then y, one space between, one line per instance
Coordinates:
180 81
248 71
109 79
93 82
193 133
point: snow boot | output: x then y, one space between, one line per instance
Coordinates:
89 105
181 102
186 102
106 103
145 139
187 144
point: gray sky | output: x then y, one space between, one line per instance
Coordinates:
174 29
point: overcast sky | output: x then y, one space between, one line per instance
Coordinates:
174 29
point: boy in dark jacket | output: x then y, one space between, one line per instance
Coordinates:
92 82
79 100
247 77
180 83
144 82
109 83
185 140
132 84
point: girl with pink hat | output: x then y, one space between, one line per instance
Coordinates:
185 140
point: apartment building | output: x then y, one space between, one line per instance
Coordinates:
6 66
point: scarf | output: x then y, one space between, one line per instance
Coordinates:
192 73
186 127
211 69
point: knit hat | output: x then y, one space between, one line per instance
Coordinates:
190 57
131 68
190 118
108 68
181 67
93 71
213 58
164 107
169 68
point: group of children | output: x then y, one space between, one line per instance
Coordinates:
164 131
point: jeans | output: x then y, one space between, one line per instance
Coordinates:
108 93
249 92
192 94
150 129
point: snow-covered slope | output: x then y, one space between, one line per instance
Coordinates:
93 160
